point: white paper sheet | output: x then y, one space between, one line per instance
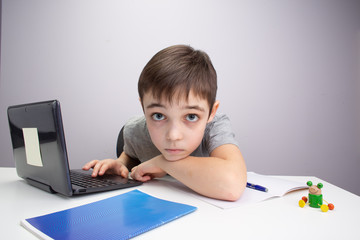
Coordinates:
276 188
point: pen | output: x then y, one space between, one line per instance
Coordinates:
256 187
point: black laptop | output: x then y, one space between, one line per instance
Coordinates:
40 154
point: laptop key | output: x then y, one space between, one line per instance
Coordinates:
86 181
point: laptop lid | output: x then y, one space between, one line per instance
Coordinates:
40 154
39 147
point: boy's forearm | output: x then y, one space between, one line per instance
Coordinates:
128 161
213 176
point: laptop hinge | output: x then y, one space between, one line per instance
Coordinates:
40 185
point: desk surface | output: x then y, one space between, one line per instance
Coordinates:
277 218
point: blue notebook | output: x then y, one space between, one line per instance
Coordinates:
120 217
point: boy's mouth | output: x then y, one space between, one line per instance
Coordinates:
174 150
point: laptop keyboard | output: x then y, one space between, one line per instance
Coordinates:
86 181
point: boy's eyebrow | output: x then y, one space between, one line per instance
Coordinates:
196 107
154 105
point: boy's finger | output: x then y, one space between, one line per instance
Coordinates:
145 178
104 167
139 177
134 174
124 173
96 169
89 165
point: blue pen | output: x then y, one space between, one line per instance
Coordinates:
256 187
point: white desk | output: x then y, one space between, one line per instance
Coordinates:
278 218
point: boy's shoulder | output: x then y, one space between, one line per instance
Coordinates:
219 119
135 124
219 132
220 116
136 120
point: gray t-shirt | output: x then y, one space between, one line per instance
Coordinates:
138 144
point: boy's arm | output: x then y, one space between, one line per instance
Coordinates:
220 176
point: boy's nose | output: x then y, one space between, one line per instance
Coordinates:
174 132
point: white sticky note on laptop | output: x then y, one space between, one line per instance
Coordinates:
32 147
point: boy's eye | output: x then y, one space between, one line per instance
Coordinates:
192 117
158 116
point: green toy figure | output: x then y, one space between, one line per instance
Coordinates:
316 198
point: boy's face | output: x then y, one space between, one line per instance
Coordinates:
177 128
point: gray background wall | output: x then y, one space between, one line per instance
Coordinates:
288 73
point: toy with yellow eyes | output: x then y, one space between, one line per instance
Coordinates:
315 198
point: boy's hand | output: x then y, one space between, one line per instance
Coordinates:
108 166
148 170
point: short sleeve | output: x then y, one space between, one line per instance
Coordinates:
219 132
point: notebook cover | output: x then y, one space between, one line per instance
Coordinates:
120 217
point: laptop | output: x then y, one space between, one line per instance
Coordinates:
40 154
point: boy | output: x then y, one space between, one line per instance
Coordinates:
180 133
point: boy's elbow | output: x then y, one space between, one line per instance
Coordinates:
236 186
233 195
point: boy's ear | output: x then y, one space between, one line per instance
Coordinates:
213 111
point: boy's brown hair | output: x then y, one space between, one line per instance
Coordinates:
177 70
